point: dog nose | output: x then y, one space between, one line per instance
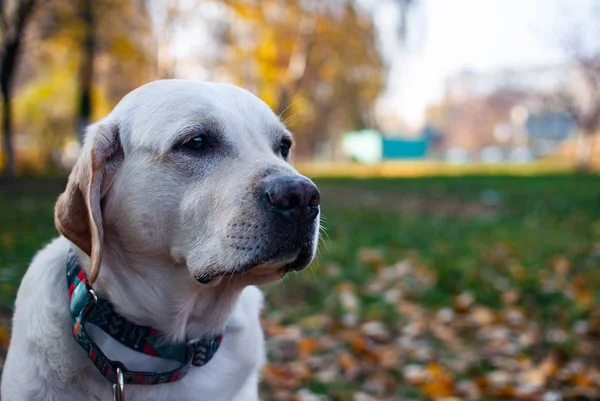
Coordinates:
297 198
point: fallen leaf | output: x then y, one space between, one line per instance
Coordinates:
307 346
371 256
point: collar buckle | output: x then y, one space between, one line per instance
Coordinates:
94 296
119 386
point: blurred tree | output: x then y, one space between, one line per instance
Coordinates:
86 66
93 53
403 9
316 58
319 59
14 17
129 27
168 15
171 19
580 44
584 107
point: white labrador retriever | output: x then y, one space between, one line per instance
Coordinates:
181 200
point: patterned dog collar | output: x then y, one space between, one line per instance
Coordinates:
86 307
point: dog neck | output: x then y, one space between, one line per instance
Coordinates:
163 295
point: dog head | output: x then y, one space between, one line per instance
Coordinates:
194 174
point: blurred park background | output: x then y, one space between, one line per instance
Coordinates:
453 141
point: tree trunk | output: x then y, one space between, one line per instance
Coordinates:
7 143
593 160
9 57
86 71
583 152
297 64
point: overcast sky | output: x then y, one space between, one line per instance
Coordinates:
448 36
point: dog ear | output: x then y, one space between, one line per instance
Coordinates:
78 211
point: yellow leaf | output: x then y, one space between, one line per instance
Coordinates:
561 265
372 257
359 344
307 346
440 383
7 240
481 316
347 361
4 337
582 379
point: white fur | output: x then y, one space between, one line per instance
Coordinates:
165 221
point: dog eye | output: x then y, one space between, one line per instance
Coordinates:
196 143
284 148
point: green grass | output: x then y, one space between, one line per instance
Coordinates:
26 225
482 235
453 224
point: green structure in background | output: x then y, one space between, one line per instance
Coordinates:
371 146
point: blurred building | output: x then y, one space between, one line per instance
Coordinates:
510 114
546 131
469 85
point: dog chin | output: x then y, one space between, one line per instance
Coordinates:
260 273
251 276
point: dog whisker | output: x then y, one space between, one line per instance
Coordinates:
313 272
289 119
286 109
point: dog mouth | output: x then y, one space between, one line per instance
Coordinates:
296 263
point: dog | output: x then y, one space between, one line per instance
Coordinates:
180 203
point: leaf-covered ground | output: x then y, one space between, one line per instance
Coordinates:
477 288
